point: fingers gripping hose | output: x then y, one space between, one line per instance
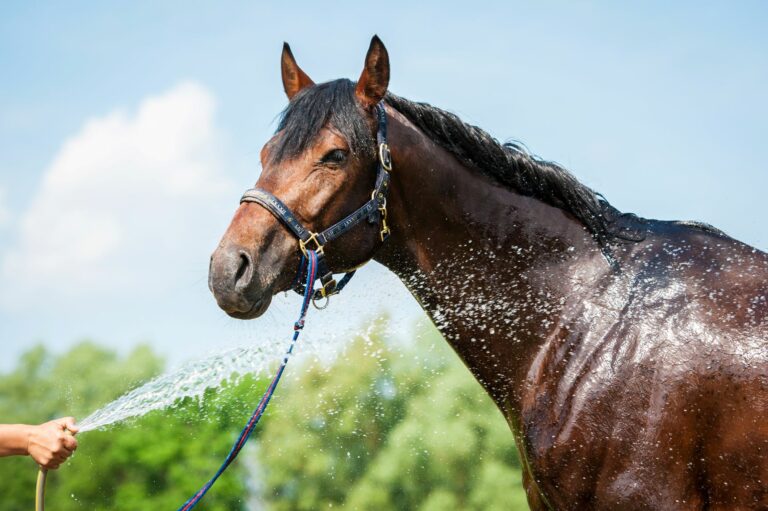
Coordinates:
40 491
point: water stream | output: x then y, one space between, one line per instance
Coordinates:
188 380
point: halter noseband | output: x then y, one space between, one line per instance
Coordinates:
375 210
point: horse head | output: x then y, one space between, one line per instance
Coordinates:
321 166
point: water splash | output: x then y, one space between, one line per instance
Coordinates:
189 380
194 378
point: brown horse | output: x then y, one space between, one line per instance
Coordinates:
629 356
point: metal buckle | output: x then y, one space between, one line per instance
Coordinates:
385 157
312 237
324 292
384 233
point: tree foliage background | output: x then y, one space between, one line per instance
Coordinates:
387 425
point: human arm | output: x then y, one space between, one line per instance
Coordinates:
49 444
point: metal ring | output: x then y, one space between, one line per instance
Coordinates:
316 299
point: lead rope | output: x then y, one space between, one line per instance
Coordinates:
259 411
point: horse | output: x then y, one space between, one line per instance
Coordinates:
628 355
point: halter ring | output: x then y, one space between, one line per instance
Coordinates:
312 237
316 300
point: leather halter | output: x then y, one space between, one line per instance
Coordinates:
375 210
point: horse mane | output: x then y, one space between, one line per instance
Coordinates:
509 164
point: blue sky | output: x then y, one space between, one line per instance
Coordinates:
128 131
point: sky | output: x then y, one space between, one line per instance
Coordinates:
128 132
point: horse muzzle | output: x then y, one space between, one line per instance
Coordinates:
234 281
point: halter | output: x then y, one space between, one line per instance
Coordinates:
375 210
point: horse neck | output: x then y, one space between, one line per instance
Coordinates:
491 267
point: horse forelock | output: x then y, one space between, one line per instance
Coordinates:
326 104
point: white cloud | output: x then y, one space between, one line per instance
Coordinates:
121 202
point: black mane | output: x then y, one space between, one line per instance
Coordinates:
334 103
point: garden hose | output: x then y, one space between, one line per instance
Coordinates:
40 491
42 476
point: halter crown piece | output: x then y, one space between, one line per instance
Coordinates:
375 210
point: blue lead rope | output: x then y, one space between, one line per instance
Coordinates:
311 261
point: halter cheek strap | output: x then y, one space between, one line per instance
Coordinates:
374 210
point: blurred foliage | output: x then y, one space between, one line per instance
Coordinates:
382 427
390 428
155 462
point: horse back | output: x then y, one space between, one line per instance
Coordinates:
652 391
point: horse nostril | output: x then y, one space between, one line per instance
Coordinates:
243 274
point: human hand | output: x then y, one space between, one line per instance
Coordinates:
51 443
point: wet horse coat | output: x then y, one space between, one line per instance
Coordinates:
629 356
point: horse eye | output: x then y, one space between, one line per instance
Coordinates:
335 156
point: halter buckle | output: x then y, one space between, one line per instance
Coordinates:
312 237
328 288
385 157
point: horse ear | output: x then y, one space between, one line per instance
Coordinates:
373 82
294 79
